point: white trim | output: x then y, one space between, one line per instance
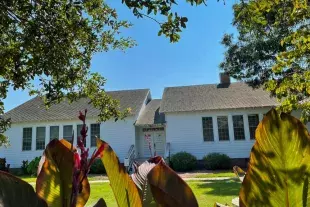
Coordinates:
246 127
215 129
231 128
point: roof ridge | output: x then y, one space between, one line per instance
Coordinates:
208 84
139 89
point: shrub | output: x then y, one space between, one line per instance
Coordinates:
24 166
97 167
33 166
183 161
216 161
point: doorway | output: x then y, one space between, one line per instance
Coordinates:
154 141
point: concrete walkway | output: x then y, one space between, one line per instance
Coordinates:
186 179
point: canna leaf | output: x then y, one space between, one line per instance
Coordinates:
239 173
140 179
54 182
169 189
279 167
124 189
18 193
100 203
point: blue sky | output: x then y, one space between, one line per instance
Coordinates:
156 63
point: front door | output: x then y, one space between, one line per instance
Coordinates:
154 142
159 143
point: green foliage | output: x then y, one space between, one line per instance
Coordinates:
173 24
4 141
24 167
53 42
217 161
183 161
97 167
279 160
272 50
32 167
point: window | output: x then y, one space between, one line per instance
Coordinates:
222 122
253 123
207 126
238 127
94 131
27 139
40 139
54 132
67 134
79 128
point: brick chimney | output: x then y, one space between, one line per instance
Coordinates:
224 78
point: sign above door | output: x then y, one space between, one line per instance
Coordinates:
153 129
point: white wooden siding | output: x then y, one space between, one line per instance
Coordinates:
120 135
184 132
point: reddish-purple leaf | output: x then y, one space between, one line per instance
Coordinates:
18 193
169 189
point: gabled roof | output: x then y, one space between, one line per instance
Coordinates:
34 109
214 97
151 114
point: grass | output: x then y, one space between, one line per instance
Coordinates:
32 179
209 192
216 174
29 178
206 192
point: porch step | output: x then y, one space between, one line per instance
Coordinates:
141 160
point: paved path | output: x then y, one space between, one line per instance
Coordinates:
186 179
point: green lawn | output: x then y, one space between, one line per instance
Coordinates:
207 192
31 179
216 174
100 177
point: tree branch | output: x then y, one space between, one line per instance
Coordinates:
155 20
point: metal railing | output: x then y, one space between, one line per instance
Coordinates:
167 152
130 158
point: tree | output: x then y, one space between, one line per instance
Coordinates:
272 50
53 41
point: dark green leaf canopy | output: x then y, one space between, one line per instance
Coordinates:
272 50
53 41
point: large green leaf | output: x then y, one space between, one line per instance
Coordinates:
124 189
169 189
54 182
279 167
18 193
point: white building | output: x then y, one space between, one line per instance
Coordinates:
198 119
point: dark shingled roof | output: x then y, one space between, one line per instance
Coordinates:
34 109
213 97
151 115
